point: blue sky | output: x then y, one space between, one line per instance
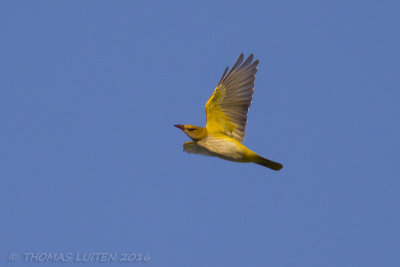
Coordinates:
90 161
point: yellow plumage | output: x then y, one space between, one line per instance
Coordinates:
226 112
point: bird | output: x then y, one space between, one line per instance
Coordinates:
226 118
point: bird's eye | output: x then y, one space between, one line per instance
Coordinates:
189 129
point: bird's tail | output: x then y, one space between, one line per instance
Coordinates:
268 163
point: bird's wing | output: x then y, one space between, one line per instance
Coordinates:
192 147
226 110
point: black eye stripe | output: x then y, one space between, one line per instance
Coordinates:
189 129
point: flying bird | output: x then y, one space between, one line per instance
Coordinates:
226 113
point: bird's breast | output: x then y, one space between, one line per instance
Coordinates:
224 147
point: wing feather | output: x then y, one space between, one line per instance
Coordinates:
227 108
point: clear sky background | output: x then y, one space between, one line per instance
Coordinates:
90 160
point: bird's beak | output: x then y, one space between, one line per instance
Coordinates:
180 126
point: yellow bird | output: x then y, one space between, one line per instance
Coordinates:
226 112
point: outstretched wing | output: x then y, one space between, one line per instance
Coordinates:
226 110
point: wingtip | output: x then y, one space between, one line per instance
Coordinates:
240 58
224 74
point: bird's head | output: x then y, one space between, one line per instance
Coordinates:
194 132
